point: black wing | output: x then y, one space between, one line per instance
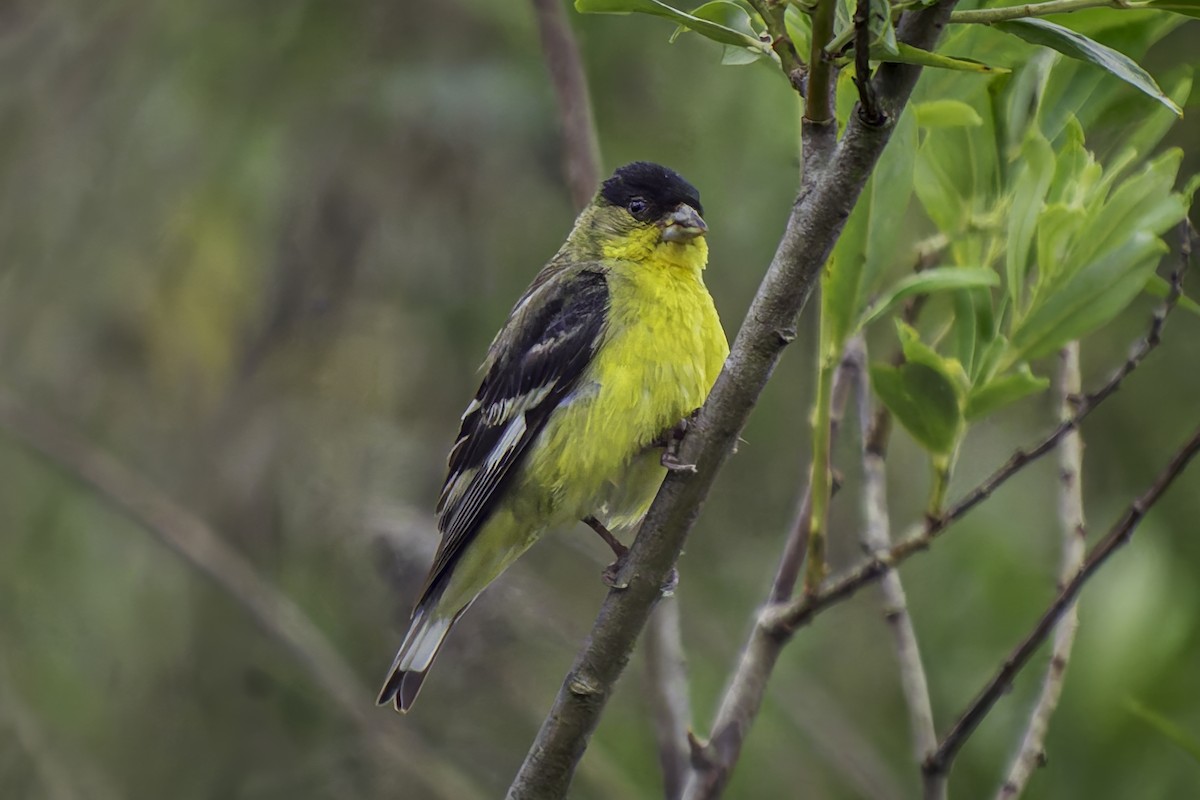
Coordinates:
535 362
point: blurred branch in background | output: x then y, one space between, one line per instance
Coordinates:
876 538
56 777
1118 535
1031 754
198 545
581 148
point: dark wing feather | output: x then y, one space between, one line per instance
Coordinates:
535 362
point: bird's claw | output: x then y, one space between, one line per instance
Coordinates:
611 576
671 461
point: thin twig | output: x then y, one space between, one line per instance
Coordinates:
987 16
813 225
1030 755
789 60
1118 535
876 538
818 104
666 673
792 558
200 547
581 150
868 105
786 619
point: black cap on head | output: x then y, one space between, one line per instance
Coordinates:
660 190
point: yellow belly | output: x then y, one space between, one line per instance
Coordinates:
661 353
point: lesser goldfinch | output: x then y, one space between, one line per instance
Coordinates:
615 342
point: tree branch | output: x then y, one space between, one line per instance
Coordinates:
785 620
1117 536
876 538
201 548
581 150
1030 755
813 226
666 673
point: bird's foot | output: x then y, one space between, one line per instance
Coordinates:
612 575
671 439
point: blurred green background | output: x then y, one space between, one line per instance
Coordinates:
257 251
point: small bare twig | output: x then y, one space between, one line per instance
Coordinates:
792 559
200 547
1117 536
666 673
784 620
876 538
1030 755
581 150
868 103
789 60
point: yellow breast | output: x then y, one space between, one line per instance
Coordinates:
661 352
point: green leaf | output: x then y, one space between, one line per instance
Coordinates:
868 243
1029 192
1188 8
799 28
879 24
1158 287
917 352
1187 742
718 32
923 400
938 279
946 114
907 54
1003 391
1076 45
1091 297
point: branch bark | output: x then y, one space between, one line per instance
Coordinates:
1118 535
666 673
581 150
813 226
876 538
201 548
1030 755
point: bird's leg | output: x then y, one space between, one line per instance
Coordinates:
670 441
609 576
612 573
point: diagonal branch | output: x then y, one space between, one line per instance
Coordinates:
200 547
876 537
1118 535
1030 755
813 226
581 150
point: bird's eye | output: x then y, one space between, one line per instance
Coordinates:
637 206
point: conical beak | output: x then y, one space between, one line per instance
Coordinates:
683 224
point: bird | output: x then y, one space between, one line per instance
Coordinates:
613 345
